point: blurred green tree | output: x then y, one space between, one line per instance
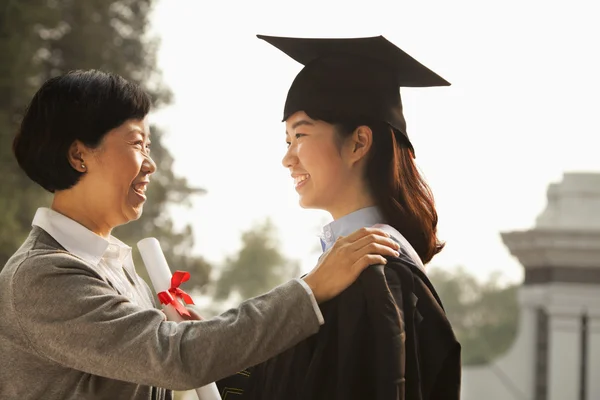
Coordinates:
43 38
484 315
258 267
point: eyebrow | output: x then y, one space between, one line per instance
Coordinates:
138 130
300 123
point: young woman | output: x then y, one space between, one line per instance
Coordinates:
387 336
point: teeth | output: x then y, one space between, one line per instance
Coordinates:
140 188
301 178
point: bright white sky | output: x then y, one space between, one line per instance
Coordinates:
522 109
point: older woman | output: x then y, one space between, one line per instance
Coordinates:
77 321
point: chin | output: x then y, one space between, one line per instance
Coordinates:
137 213
308 204
303 203
133 214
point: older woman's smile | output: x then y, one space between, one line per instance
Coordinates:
140 188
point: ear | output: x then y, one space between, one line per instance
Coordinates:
77 155
360 143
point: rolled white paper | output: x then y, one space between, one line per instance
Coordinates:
156 264
160 275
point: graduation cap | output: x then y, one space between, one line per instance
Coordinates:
358 77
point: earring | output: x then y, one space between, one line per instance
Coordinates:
83 165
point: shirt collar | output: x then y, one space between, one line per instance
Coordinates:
77 239
365 217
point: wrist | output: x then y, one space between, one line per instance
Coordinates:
308 279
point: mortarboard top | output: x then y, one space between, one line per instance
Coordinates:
358 77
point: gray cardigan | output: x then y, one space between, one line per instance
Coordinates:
65 333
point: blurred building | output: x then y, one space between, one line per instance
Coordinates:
556 354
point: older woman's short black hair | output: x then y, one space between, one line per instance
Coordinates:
80 105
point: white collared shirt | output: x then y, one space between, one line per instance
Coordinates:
111 258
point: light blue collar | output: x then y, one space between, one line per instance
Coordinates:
365 217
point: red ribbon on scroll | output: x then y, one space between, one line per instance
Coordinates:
170 296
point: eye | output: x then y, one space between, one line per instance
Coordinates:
143 146
297 136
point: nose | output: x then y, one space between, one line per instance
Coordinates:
148 166
290 158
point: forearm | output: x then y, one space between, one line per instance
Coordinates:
94 330
257 330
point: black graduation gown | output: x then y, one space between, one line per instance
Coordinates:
385 337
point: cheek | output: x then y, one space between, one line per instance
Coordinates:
323 164
123 171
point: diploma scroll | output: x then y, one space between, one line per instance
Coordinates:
160 275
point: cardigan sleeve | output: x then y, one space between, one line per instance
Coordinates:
71 316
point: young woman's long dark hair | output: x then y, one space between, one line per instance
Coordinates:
400 192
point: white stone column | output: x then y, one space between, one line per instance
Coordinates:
593 355
564 349
519 361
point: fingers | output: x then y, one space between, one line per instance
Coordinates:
368 246
194 314
367 260
376 248
374 239
362 232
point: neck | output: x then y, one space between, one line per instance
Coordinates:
352 200
70 204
